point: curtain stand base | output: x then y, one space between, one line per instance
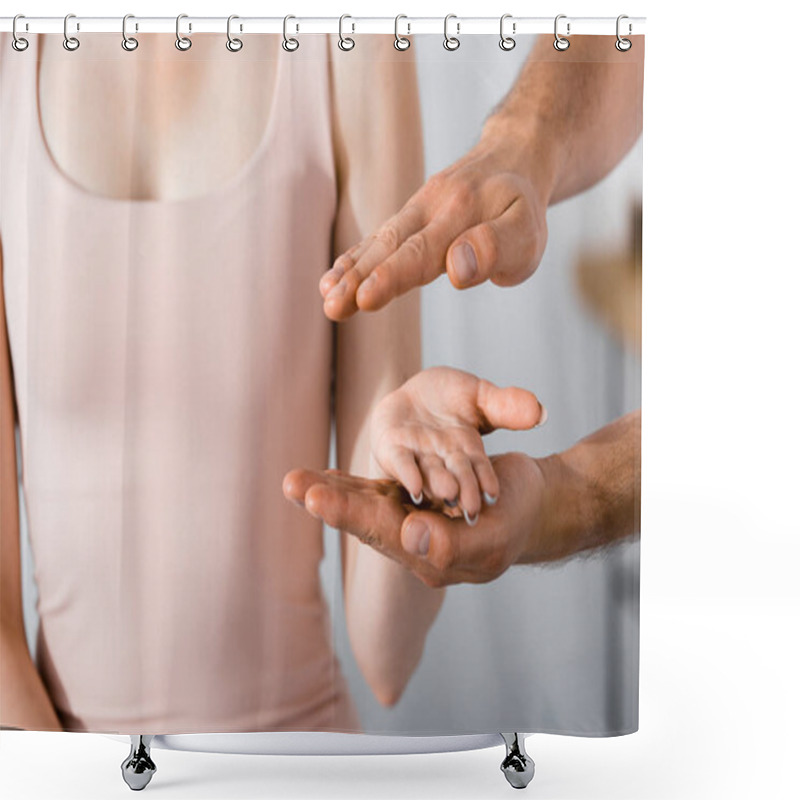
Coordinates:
138 768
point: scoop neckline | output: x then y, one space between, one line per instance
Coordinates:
224 187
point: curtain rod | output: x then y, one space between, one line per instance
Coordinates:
459 26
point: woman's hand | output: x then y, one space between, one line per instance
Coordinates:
482 218
427 435
438 548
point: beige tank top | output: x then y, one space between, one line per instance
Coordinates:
171 363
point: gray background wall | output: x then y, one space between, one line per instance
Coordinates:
550 649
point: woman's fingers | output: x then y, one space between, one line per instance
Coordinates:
487 479
509 407
469 495
505 250
439 483
402 465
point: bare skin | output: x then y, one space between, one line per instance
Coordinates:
24 701
427 435
374 110
549 509
568 120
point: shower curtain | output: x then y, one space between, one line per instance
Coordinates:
190 342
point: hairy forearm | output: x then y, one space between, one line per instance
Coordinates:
24 701
571 116
592 493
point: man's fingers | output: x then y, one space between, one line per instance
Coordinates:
297 482
509 407
419 260
373 517
455 550
340 284
506 249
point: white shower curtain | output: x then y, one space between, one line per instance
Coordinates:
171 361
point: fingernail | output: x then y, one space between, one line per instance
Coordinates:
418 538
543 418
416 499
471 521
490 499
451 503
465 263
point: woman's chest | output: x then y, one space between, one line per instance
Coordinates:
155 124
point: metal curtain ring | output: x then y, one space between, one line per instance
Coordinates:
400 42
560 42
19 43
507 42
451 42
623 45
290 44
233 44
182 42
345 42
70 42
128 42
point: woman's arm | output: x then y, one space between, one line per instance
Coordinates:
378 143
24 702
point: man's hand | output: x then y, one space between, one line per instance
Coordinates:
548 509
427 435
480 219
438 548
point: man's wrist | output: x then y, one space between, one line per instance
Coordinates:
568 517
525 146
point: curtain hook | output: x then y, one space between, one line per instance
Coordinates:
290 44
400 42
507 42
71 43
345 42
451 42
19 43
182 42
560 42
233 44
623 45
128 42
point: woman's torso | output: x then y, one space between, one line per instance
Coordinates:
171 363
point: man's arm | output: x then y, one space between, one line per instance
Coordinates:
571 116
378 142
568 120
24 702
592 493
